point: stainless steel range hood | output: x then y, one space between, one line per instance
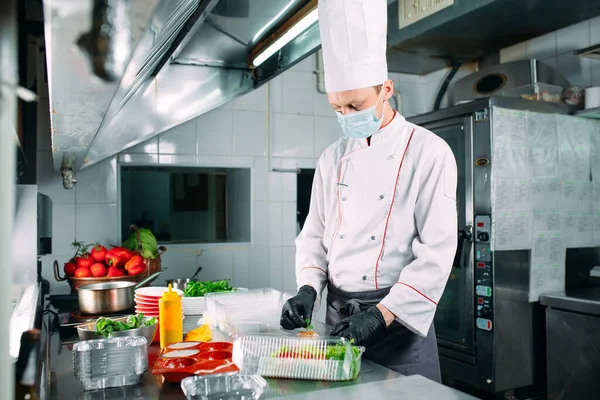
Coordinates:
122 71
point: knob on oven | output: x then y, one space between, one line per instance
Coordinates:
483 236
484 312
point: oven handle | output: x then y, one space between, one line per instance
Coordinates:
463 235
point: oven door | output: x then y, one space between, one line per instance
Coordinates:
454 322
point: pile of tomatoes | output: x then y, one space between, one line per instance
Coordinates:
100 262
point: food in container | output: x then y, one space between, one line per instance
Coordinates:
329 359
234 385
183 359
201 334
133 325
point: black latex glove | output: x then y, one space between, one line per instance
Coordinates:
363 328
297 310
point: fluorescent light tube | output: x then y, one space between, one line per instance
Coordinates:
287 37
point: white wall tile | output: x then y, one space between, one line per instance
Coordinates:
177 159
97 223
275 224
181 262
288 261
321 106
214 161
240 268
215 133
217 265
149 146
142 159
288 224
44 141
542 47
250 133
514 53
179 140
327 131
293 135
276 268
50 182
63 228
98 183
256 100
297 98
261 221
574 37
577 70
242 161
289 184
309 64
259 267
276 93
275 186
260 179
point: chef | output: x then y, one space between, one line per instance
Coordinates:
381 233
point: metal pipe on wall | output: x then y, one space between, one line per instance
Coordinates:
8 116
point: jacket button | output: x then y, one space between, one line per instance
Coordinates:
391 157
364 278
338 276
342 236
372 237
344 198
381 197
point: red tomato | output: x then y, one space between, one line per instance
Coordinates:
70 268
82 273
114 271
85 261
98 270
99 253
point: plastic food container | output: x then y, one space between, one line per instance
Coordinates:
331 359
113 362
184 359
224 386
236 330
255 305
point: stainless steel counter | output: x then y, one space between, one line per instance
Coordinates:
585 301
373 381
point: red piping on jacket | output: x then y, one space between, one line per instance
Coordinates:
407 285
320 269
387 221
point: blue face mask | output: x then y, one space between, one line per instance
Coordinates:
361 124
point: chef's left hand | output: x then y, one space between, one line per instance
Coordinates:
363 327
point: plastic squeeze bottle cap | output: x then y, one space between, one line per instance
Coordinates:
170 295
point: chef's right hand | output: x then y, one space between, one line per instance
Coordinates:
297 310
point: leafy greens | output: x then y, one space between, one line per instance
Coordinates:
199 289
106 326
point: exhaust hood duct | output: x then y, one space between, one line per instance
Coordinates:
187 57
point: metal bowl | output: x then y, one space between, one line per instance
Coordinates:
87 331
180 283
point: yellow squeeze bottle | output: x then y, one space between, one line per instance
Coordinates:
170 318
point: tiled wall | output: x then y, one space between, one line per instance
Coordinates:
556 49
302 125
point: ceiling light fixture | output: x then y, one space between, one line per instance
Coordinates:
295 31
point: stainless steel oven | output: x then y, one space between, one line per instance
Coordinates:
489 335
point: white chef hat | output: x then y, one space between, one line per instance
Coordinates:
353 41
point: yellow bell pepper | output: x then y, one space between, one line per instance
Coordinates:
200 334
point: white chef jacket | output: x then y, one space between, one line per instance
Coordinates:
383 216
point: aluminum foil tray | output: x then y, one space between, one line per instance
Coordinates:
224 386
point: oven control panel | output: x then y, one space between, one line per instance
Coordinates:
483 273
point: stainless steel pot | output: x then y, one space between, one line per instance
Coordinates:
109 297
179 283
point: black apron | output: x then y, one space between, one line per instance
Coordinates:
400 349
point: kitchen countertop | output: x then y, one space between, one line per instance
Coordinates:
373 381
585 301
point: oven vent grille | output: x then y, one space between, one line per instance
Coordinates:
411 11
